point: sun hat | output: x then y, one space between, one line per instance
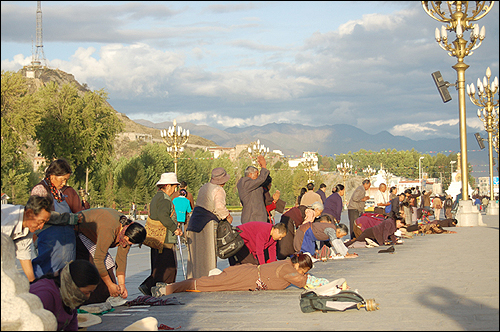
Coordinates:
168 178
88 320
219 176
145 324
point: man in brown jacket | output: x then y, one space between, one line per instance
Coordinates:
251 192
356 206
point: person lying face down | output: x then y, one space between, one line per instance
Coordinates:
271 276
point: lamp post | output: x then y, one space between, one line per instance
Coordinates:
175 137
451 165
456 15
369 171
255 149
489 116
344 168
309 164
420 172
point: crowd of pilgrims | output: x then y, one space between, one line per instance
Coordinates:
73 267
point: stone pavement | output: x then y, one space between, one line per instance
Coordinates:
431 282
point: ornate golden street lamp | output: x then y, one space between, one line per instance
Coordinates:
309 165
175 137
344 168
369 171
255 149
458 16
489 113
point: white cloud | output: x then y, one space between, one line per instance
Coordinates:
135 70
18 62
281 117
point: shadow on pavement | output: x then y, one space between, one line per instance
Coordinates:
459 308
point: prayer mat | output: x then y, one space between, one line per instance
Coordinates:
150 300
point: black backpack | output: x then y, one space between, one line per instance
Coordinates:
229 241
346 299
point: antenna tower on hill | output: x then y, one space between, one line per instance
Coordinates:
38 57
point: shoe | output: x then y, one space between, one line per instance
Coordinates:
156 291
144 290
371 242
389 250
161 284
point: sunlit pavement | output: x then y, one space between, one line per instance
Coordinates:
431 282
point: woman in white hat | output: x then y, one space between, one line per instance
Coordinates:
163 261
201 231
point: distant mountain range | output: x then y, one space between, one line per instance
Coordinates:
293 139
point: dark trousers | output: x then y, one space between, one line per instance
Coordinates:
163 267
367 233
353 215
101 293
284 247
244 256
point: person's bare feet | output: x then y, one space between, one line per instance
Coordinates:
353 255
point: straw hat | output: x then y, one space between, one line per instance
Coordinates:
87 320
168 178
145 324
219 176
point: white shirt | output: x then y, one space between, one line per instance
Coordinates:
12 226
381 197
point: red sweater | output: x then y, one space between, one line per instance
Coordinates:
257 237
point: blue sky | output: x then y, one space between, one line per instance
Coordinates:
224 63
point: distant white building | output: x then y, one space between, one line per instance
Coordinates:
5 198
306 156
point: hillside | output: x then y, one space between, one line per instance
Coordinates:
123 147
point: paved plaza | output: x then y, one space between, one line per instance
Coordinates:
431 282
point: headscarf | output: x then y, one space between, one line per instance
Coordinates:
53 190
71 295
121 236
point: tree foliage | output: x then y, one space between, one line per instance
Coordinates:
81 129
20 113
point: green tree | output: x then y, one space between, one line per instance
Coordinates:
20 115
81 129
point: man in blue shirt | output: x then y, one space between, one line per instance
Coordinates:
182 207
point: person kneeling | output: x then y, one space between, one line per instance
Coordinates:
259 237
65 290
338 248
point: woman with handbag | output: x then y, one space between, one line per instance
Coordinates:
202 228
162 230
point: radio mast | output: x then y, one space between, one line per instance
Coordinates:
38 57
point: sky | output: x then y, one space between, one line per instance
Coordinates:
224 63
